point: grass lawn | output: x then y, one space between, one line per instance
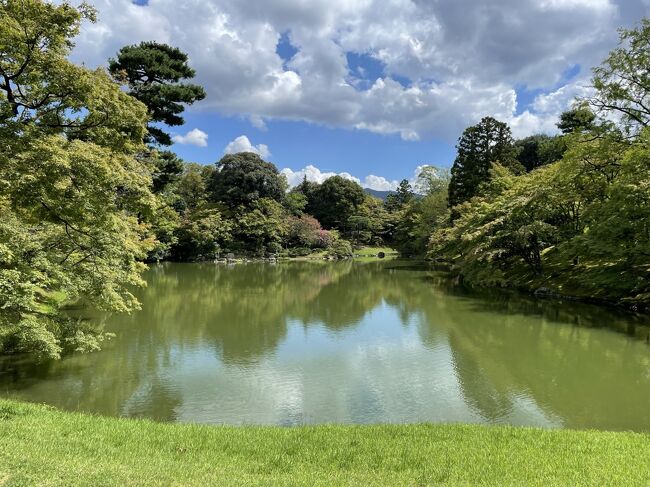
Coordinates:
373 251
43 446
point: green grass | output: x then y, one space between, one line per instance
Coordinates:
373 251
43 446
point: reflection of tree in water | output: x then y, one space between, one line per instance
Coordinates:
242 311
503 345
518 347
125 383
577 313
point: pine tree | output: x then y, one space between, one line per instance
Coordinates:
480 146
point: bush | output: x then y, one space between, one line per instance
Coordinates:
340 249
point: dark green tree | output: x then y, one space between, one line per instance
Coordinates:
539 150
480 146
580 117
168 168
244 178
154 73
335 201
402 196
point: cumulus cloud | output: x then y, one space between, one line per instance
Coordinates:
243 144
379 183
195 137
314 174
445 64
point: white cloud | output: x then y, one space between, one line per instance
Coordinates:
463 59
242 144
379 183
257 122
195 137
314 174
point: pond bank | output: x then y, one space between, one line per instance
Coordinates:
43 446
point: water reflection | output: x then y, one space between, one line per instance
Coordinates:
351 342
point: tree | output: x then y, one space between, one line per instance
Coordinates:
402 196
295 202
153 72
622 81
72 189
580 117
422 216
432 179
480 146
539 150
190 190
304 231
244 178
203 232
334 201
167 169
306 187
261 227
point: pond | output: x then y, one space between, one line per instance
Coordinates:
350 342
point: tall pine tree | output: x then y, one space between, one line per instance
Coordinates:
480 146
153 72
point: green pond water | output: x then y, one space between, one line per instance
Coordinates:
350 342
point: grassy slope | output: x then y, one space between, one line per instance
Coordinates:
42 446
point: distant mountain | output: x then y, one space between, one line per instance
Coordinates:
382 195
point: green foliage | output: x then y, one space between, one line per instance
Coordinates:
340 249
493 234
334 201
167 169
71 187
539 150
423 215
245 178
260 228
580 117
401 197
153 73
299 251
576 226
480 146
622 81
202 234
190 191
304 231
295 202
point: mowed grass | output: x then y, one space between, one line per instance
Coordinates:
373 251
43 446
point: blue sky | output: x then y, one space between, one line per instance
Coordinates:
372 88
297 144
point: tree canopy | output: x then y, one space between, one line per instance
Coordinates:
72 187
154 73
244 178
622 81
479 147
334 201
